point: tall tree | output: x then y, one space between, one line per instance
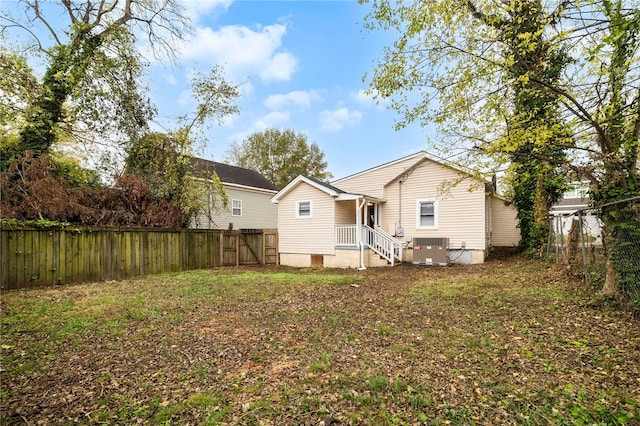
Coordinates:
280 155
18 86
163 161
535 135
92 50
463 67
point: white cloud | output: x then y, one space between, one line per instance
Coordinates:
297 98
243 51
170 79
196 8
368 99
185 98
334 121
271 119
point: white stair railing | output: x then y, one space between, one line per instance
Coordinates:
382 243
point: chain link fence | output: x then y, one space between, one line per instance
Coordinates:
576 240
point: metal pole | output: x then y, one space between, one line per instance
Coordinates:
584 250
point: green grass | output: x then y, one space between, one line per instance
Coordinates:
511 343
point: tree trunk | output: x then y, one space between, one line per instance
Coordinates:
572 245
610 287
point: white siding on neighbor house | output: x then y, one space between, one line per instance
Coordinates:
504 224
371 182
258 212
461 210
314 235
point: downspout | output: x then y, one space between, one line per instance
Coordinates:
359 231
400 203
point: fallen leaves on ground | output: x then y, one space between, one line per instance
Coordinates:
511 341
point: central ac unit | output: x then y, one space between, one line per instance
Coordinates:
430 251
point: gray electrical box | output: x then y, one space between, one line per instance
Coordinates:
430 251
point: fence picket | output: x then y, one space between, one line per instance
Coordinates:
32 257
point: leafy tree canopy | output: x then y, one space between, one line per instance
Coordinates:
554 83
280 155
90 88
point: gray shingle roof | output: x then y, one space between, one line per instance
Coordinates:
326 185
232 174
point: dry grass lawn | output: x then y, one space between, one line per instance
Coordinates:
512 341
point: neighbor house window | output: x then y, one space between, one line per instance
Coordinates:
303 209
236 207
427 214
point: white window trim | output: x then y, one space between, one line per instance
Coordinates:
435 213
298 209
234 208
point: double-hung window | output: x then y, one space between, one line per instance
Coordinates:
303 209
236 207
426 214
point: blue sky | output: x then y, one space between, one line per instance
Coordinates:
302 64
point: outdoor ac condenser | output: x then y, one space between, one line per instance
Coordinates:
430 251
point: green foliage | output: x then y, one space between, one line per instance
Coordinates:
163 161
18 87
69 169
38 224
69 63
547 88
90 86
216 100
280 155
624 251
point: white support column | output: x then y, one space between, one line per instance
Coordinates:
359 215
359 222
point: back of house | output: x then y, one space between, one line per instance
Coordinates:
249 196
391 211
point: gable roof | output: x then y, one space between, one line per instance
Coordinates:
322 186
232 174
327 185
383 165
419 158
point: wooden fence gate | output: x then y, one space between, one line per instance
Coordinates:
250 247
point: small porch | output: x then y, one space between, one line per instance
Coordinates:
373 238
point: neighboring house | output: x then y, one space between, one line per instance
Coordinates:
371 218
249 195
575 204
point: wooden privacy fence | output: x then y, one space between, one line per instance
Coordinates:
34 257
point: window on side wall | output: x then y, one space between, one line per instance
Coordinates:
236 207
303 209
426 214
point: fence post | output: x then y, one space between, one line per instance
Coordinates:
263 259
584 250
237 248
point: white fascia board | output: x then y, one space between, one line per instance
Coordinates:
235 185
250 188
417 154
347 196
295 183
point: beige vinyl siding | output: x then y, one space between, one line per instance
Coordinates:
460 211
504 224
346 212
371 182
258 212
314 235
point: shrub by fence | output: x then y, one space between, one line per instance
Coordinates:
576 241
33 257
